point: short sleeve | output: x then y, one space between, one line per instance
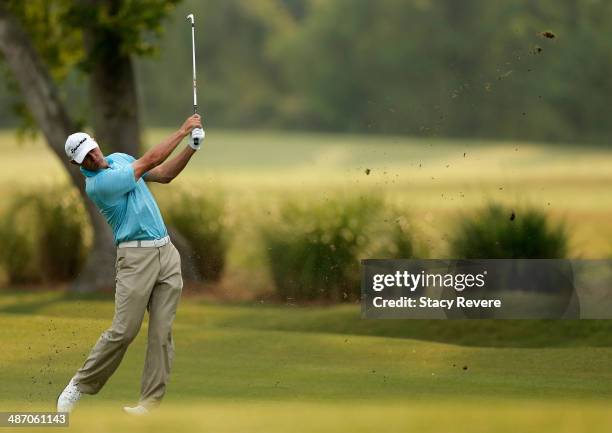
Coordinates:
128 158
115 182
123 156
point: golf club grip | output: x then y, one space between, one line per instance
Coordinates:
196 141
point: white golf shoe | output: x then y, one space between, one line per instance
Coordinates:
136 410
68 398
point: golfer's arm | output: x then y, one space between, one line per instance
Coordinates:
167 171
158 154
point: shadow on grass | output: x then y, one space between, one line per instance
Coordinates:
476 333
346 320
32 302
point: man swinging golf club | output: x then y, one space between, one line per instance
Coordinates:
148 265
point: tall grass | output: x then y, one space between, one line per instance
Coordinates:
17 252
200 219
45 236
314 250
497 232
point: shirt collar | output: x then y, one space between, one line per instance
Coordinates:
92 173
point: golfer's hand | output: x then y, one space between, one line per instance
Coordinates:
196 138
191 123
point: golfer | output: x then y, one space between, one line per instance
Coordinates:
148 265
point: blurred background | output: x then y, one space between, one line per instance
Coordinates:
337 130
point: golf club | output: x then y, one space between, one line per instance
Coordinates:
191 19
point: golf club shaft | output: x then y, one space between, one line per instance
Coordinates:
195 91
196 140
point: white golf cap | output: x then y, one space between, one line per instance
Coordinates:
78 145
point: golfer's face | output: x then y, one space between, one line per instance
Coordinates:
93 159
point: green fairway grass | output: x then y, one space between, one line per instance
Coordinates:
274 368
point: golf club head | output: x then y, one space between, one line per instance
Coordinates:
190 18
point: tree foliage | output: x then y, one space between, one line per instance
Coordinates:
55 28
419 67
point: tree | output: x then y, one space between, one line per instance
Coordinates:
40 43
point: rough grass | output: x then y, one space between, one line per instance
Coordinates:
259 368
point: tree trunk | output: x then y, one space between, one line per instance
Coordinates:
98 273
112 84
112 88
41 96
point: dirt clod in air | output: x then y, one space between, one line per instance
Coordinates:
547 35
504 75
368 171
465 367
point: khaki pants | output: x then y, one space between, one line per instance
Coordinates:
147 278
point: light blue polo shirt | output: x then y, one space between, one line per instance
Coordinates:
127 205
